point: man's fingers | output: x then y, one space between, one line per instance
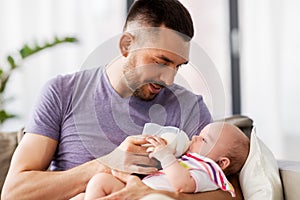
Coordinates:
134 144
150 149
156 140
140 149
135 189
141 160
121 175
137 139
124 193
142 170
114 196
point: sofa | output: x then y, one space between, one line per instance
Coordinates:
8 144
289 170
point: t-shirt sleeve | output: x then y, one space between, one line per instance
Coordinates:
46 116
203 182
205 116
199 117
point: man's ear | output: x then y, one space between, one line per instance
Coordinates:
126 41
223 162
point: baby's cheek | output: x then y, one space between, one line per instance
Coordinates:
201 148
195 147
205 149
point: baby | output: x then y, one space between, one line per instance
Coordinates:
219 150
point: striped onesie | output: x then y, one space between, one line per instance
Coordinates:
207 175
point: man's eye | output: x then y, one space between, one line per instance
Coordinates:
177 67
204 140
160 64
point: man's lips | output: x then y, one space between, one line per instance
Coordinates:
155 88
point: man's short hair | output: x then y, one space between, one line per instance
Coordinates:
154 13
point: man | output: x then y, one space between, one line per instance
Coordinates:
81 119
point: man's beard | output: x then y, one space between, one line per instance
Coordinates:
143 94
139 89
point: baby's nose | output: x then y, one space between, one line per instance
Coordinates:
196 137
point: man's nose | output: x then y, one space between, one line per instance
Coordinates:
167 76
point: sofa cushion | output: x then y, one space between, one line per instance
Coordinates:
290 176
8 144
244 123
259 177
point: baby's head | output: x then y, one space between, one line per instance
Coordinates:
224 143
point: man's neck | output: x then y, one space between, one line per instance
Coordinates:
115 76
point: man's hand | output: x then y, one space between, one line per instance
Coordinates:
135 189
131 157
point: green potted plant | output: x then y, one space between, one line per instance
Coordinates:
15 62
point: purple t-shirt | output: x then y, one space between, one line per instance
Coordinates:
89 119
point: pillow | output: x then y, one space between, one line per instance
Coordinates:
259 177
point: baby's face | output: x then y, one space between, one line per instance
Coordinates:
205 141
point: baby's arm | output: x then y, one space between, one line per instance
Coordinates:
179 177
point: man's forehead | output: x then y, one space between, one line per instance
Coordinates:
163 39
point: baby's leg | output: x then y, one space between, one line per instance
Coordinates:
102 184
78 197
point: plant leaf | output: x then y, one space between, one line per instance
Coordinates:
27 51
11 62
24 52
4 116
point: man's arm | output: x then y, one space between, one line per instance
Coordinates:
28 178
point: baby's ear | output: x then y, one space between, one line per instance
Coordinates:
223 162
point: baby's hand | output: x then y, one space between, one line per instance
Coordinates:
160 151
156 143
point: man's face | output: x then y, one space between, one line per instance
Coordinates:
154 66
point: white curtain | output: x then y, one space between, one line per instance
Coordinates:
269 42
270 67
211 22
91 21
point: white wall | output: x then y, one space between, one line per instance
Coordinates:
211 21
270 64
270 67
91 21
269 39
